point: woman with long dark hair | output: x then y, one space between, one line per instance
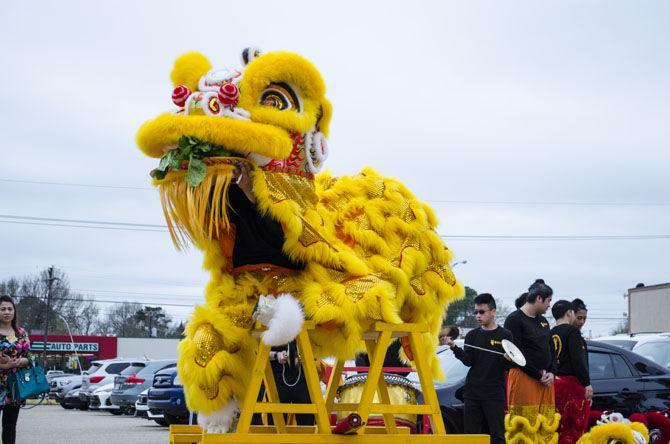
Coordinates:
14 348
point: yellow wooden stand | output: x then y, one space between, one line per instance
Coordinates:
376 342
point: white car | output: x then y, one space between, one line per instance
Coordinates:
100 400
142 409
656 348
102 373
630 341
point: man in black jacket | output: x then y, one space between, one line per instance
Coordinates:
484 410
573 387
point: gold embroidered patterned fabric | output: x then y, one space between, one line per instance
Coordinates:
207 342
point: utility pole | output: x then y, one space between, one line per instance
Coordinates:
50 281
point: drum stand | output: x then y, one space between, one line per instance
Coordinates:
376 342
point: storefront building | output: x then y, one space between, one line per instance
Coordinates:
60 353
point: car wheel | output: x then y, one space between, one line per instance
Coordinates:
130 411
66 406
116 412
161 422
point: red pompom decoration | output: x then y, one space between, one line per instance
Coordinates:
229 94
180 94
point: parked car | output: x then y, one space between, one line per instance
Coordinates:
141 406
629 341
656 349
135 379
166 397
61 385
72 400
100 399
623 381
142 409
54 374
101 373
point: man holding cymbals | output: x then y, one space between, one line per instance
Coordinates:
484 394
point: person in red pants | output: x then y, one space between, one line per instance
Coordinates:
573 389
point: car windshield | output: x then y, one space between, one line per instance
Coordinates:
659 352
94 367
132 369
453 369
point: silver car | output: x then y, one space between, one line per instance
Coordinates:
134 380
61 385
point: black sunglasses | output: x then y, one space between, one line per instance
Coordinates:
480 312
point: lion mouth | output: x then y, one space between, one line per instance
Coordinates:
193 156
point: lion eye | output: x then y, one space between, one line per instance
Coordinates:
280 96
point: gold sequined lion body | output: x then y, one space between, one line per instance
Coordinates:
352 250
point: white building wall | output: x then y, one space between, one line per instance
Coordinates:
649 309
152 348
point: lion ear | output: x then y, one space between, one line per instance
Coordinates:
323 119
188 68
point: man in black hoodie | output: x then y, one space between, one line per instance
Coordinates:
484 410
573 387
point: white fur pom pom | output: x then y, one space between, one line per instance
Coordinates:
286 321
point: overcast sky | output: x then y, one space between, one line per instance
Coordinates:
516 118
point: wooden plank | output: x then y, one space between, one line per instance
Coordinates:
416 328
278 407
176 428
421 409
289 429
427 387
273 396
374 373
312 379
333 384
389 420
301 438
372 335
250 399
185 438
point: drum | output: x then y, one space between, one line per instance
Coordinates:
401 392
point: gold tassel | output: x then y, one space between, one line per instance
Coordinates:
196 214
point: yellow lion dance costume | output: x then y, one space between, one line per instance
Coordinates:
345 252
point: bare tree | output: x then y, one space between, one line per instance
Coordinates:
30 294
121 321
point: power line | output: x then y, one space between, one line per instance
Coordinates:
79 226
79 221
126 226
548 203
442 201
85 185
555 238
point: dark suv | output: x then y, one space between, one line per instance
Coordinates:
622 381
166 397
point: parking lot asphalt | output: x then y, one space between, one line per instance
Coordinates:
53 424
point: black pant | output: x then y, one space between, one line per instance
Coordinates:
487 417
298 394
10 414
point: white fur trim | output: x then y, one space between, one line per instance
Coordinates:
223 420
286 322
265 310
317 150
